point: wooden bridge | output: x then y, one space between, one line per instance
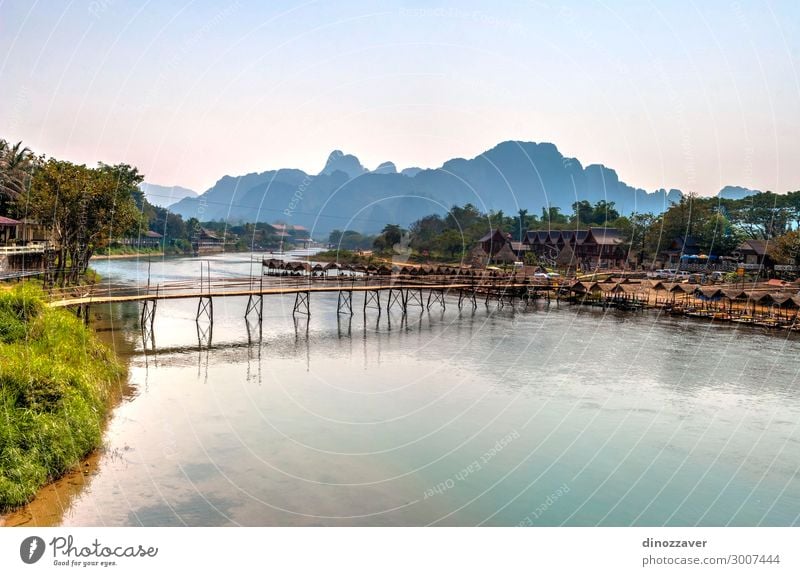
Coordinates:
400 292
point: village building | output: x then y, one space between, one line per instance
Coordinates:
753 254
207 242
597 247
679 247
23 247
147 239
499 248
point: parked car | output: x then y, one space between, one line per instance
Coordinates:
717 276
540 276
553 275
666 274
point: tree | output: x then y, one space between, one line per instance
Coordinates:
582 213
765 215
450 243
521 225
785 249
16 168
389 236
464 217
552 216
604 212
425 230
86 209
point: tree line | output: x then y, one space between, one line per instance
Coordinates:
86 210
717 226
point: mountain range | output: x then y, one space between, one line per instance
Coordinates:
164 196
345 195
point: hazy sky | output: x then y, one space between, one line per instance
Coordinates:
674 94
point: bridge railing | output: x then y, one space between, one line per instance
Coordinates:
255 284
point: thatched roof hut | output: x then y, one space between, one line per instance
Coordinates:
612 289
585 287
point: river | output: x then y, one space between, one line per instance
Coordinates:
544 416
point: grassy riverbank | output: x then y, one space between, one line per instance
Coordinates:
55 382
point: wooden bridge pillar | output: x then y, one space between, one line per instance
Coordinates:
344 304
467 295
301 304
205 307
415 295
372 299
82 312
255 303
396 297
148 314
435 296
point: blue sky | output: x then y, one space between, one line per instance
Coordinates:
691 95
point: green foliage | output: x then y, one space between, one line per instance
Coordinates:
55 383
786 249
350 240
18 308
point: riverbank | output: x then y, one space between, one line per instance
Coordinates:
57 382
128 256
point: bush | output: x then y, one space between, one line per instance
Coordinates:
55 380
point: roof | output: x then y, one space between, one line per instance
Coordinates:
207 233
530 237
519 246
754 245
606 236
151 234
298 228
491 234
553 236
6 221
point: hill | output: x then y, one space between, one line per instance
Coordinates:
508 177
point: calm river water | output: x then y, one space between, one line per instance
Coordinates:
546 416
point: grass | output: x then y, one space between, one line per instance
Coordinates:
129 251
55 383
344 257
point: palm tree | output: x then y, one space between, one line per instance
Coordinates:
16 166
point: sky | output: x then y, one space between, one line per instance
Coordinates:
671 94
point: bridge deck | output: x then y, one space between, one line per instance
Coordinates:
165 294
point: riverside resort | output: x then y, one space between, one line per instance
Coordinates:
334 265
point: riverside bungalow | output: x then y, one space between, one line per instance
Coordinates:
8 230
498 247
686 246
23 244
597 247
147 239
207 242
753 253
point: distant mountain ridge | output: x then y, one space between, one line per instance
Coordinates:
736 192
165 195
345 195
